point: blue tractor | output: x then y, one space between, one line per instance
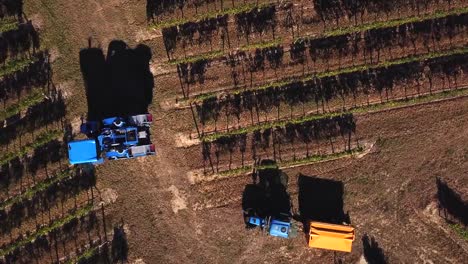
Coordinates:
275 227
113 138
266 203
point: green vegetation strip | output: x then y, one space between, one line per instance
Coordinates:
41 140
8 24
89 253
356 110
414 58
43 185
297 162
262 45
460 230
206 56
47 229
393 23
213 14
219 53
34 98
16 65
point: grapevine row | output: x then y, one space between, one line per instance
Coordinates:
322 88
370 43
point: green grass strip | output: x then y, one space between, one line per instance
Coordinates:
34 98
262 45
41 140
219 53
16 65
89 253
460 230
191 59
318 158
297 162
361 109
42 186
414 58
212 14
8 24
411 101
47 229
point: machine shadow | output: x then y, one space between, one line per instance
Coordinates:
268 197
372 252
320 200
119 84
451 202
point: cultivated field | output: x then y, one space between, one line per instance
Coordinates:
363 105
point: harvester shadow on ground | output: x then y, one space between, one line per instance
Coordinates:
119 84
268 197
451 202
320 200
372 252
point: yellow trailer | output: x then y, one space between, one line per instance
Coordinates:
330 236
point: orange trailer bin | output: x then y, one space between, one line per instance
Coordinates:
330 236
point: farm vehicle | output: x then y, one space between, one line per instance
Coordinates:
267 205
113 138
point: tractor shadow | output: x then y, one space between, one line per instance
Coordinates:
320 200
118 84
267 196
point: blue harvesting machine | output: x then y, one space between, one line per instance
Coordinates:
113 138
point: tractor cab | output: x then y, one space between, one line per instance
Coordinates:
84 151
274 226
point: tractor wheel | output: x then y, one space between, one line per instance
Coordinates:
118 123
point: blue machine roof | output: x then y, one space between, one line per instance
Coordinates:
83 151
108 121
279 228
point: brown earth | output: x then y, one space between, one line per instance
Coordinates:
389 193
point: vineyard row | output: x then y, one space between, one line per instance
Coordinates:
289 163
212 137
391 31
41 140
23 74
50 109
210 15
41 234
326 86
